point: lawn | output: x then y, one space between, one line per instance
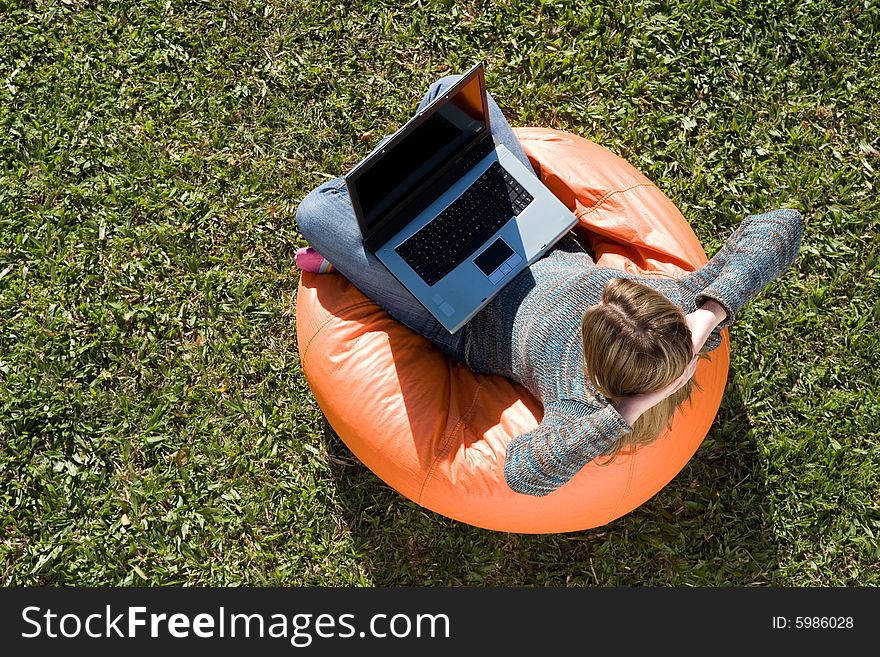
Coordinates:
155 425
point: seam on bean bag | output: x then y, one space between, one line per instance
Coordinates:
629 479
601 201
447 441
609 195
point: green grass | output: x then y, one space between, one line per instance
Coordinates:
155 426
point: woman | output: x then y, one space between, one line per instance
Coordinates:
609 354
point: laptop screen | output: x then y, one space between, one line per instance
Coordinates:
406 163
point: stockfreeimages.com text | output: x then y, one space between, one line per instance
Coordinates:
301 629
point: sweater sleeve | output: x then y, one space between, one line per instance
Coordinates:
571 435
763 247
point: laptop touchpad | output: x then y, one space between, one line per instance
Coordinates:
493 257
490 259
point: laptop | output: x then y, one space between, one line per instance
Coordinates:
452 215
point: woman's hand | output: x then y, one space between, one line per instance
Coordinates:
703 321
631 408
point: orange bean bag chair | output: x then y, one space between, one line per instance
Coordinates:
436 431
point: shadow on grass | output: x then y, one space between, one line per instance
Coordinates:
708 527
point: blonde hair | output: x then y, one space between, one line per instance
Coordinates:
637 341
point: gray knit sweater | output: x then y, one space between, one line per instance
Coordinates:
531 333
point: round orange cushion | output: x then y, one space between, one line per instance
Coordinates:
437 432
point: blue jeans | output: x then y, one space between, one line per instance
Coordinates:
326 219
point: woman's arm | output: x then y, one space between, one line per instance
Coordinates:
759 250
703 321
632 407
571 435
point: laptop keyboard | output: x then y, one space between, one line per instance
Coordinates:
454 235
